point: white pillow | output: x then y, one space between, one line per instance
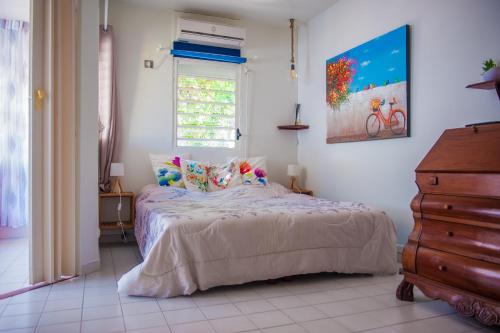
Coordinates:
254 171
225 176
167 169
195 175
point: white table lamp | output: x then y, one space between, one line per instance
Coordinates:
294 171
117 171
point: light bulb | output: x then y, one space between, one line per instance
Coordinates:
293 72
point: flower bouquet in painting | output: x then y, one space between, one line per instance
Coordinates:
367 90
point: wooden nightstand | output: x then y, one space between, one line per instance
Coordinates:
303 191
128 222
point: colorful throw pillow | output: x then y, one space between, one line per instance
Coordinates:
225 176
254 171
195 175
167 170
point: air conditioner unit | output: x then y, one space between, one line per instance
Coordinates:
206 33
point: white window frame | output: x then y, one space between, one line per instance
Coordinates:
240 112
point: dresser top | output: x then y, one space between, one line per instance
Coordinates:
468 150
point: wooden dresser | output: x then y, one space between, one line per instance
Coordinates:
453 252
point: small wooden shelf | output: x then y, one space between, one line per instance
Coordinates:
487 85
293 127
128 223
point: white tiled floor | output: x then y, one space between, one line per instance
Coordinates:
324 303
13 264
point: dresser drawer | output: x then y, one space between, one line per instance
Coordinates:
461 272
475 242
475 184
482 209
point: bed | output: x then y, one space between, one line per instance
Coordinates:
191 240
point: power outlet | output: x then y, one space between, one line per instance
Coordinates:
148 64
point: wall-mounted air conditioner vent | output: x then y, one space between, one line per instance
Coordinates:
206 33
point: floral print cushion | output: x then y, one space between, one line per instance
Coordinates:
195 175
254 171
225 176
167 170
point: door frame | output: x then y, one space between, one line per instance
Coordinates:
39 18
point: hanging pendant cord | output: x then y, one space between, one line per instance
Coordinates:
292 28
106 4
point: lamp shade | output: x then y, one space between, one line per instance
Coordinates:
117 170
294 170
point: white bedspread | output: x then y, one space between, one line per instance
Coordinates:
193 240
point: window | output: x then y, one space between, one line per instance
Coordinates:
206 104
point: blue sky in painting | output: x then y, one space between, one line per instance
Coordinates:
378 61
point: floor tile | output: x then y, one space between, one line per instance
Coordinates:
140 308
198 327
144 321
286 302
37 295
285 329
183 316
324 326
242 295
95 301
109 311
336 309
60 328
22 321
220 311
158 329
269 319
23 308
360 321
108 325
305 313
59 317
65 304
176 303
255 306
207 299
232 324
352 302
316 298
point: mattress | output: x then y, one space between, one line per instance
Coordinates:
192 240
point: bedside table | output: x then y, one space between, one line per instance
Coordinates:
128 222
303 191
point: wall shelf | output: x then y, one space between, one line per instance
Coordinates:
487 85
293 127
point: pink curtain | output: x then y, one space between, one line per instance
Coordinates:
108 107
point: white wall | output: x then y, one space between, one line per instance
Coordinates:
450 39
15 10
88 136
145 95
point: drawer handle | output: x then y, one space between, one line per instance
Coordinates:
446 206
442 268
450 233
433 180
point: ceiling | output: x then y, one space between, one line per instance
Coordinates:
15 10
271 11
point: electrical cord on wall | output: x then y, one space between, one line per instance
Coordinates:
120 222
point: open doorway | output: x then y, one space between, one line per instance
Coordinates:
14 145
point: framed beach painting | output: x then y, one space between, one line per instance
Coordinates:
368 90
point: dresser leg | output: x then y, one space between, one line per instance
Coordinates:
405 291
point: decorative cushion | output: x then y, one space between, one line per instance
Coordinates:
195 175
254 171
225 176
167 170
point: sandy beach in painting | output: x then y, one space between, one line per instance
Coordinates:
349 121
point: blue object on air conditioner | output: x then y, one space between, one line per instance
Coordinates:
206 52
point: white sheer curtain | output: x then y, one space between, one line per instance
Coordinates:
14 123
